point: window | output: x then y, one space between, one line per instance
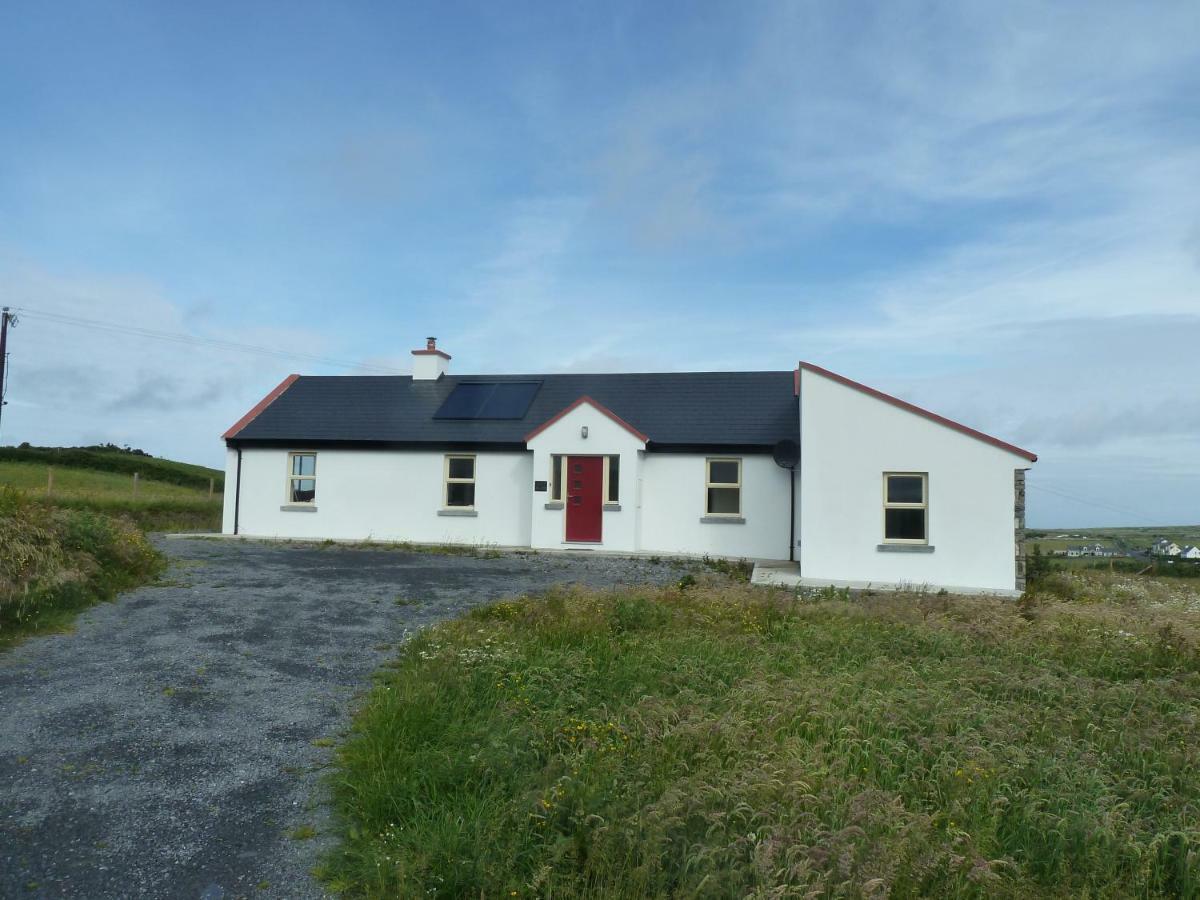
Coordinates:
556 477
905 507
723 484
460 482
302 478
612 478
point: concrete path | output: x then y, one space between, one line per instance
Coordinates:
172 744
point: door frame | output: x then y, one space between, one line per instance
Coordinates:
566 464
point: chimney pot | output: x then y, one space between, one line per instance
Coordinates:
430 343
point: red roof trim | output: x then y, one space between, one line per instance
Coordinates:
909 407
599 408
442 353
259 407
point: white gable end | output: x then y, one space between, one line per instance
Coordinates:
849 441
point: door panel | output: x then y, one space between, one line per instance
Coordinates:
585 483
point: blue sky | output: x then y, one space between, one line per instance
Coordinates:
988 209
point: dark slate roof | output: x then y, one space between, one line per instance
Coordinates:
673 409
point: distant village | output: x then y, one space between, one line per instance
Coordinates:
1162 547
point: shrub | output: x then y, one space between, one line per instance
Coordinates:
56 560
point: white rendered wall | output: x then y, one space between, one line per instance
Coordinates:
848 440
383 495
673 499
605 438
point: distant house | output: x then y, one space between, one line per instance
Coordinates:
1097 550
1190 552
857 486
1164 547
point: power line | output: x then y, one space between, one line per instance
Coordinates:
198 341
1117 509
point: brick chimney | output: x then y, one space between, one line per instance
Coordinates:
431 363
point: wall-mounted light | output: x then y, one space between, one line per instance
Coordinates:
583 432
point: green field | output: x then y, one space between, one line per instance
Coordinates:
1127 539
157 505
718 740
110 458
88 484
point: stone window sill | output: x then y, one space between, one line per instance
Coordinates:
723 520
458 512
612 507
555 504
297 507
905 548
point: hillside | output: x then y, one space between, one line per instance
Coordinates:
111 458
169 495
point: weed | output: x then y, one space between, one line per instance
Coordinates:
56 561
738 570
724 740
303 833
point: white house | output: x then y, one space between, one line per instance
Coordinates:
1164 547
1190 552
857 486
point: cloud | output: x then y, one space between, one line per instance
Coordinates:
156 392
986 209
73 384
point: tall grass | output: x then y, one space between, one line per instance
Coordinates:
55 561
718 740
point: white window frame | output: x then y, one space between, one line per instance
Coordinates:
561 460
287 482
923 506
447 480
607 500
722 485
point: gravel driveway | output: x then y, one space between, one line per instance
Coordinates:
171 745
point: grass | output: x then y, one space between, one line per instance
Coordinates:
158 506
721 740
56 561
1127 539
110 458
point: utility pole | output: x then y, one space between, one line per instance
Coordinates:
5 318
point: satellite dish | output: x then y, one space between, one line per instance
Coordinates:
787 454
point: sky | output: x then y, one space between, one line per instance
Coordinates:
990 210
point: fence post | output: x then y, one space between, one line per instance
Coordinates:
49 480
135 483
210 488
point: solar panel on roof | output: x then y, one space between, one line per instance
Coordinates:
489 400
465 401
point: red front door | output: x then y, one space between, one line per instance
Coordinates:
585 481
